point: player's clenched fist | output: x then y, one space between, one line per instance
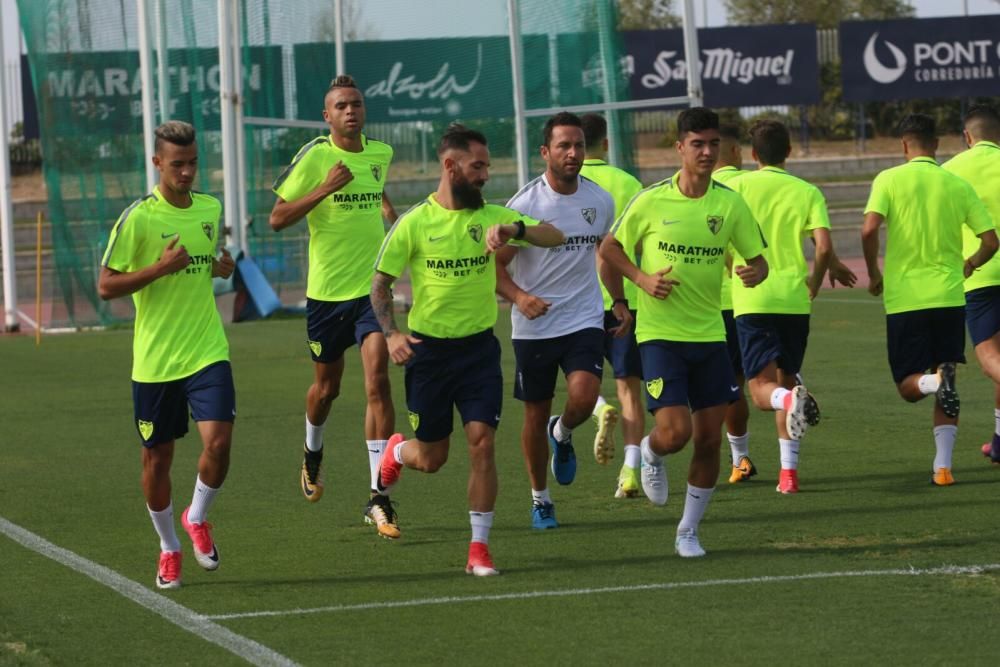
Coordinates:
657 284
174 257
338 176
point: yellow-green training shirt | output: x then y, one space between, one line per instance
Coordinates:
787 209
924 208
345 229
622 186
178 330
691 235
452 278
980 166
724 175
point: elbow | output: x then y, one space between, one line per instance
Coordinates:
103 292
275 222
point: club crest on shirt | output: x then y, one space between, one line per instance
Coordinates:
589 214
714 223
208 228
655 387
377 172
476 232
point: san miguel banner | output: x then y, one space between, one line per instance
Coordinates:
740 66
920 58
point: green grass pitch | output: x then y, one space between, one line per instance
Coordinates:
69 471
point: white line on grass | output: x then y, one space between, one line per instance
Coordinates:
179 615
666 586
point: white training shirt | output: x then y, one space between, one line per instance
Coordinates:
564 275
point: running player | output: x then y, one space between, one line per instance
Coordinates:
730 166
924 208
622 352
773 321
980 166
683 226
162 252
337 182
451 355
558 318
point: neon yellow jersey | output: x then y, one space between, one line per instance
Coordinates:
924 208
690 235
724 175
980 166
178 330
345 229
788 209
622 186
453 279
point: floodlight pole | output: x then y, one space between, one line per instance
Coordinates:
609 71
692 55
162 82
338 37
228 100
146 78
520 126
241 148
6 206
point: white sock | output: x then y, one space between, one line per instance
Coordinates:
541 496
397 453
695 504
632 454
648 455
944 443
314 436
597 406
201 501
928 384
560 432
375 449
778 398
739 445
481 523
789 452
996 421
163 522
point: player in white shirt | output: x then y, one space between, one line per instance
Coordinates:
558 313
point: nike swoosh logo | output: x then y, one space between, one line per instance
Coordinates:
598 367
167 236
734 389
433 239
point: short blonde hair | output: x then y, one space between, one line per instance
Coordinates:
175 132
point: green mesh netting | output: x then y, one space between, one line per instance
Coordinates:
420 65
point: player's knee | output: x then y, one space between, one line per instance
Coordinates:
327 392
673 437
217 446
481 452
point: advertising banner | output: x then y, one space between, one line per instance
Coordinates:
920 58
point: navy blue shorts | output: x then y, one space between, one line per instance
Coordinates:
453 372
770 337
919 340
538 361
698 375
334 326
982 313
161 408
733 342
621 353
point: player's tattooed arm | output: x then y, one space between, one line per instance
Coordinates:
399 344
381 298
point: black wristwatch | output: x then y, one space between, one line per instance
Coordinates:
521 229
617 301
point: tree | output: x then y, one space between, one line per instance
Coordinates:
647 15
824 13
355 27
